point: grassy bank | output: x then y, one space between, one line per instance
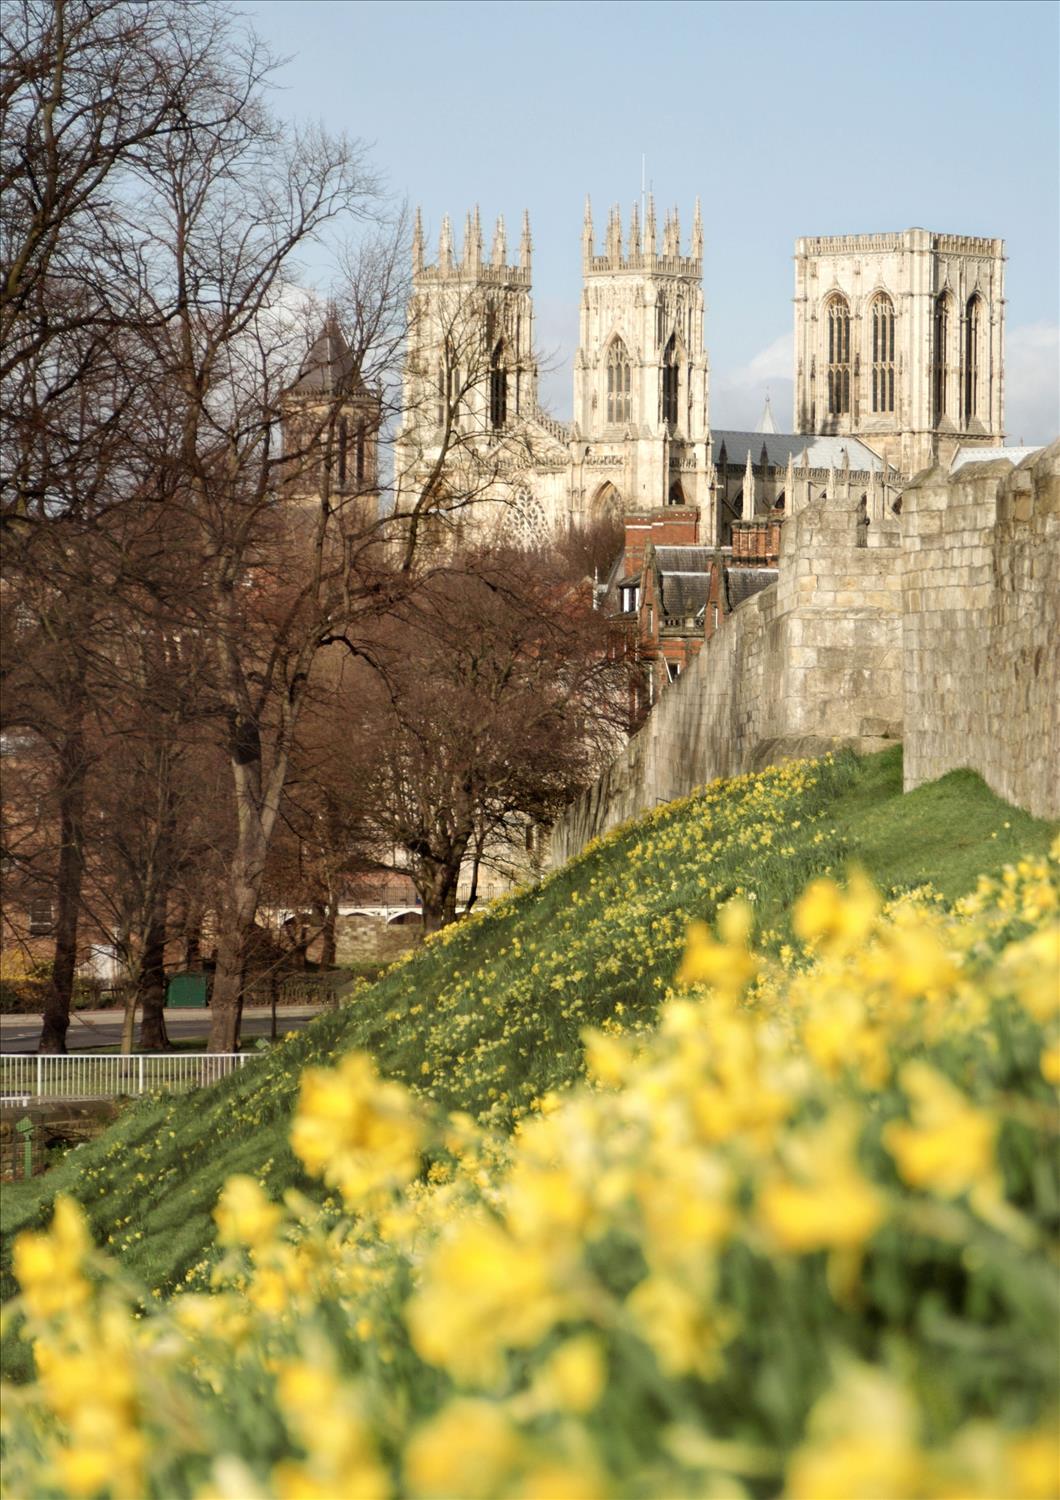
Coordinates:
488 1017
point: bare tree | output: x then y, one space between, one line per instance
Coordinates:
490 702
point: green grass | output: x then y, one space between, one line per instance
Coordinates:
491 1017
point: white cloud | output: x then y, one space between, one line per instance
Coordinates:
738 397
1032 383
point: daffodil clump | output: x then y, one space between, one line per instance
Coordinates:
799 1238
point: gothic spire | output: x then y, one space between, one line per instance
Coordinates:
634 232
466 248
697 232
417 242
526 244
650 240
748 509
445 245
500 243
476 239
587 229
614 237
677 231
765 421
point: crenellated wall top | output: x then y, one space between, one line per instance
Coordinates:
908 239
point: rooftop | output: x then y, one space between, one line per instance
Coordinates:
970 453
822 451
329 369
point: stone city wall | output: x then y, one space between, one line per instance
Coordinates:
810 663
981 627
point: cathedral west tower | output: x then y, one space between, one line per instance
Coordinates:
640 373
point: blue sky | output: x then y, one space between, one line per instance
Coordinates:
787 119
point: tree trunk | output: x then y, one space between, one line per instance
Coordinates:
192 940
128 1020
327 947
437 884
226 1005
56 1019
151 981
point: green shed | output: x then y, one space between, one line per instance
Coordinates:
187 990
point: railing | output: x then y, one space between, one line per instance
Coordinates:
297 989
95 1075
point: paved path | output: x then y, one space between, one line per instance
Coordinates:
93 1030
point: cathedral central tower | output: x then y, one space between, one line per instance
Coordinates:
640 374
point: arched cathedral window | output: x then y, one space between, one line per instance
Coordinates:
343 440
619 400
670 374
940 343
498 389
971 357
883 353
838 356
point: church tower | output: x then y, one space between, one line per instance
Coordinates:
331 423
899 341
640 373
469 363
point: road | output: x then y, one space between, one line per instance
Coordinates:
93 1030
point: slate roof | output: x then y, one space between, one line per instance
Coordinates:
329 369
684 595
742 583
823 451
683 559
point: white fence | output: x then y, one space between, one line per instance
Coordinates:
97 1075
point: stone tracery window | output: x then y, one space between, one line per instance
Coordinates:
883 354
971 357
940 355
619 399
670 374
838 313
528 517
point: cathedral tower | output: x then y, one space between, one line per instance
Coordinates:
899 341
640 374
470 335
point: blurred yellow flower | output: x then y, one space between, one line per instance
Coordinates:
244 1215
468 1451
47 1263
824 1202
362 1135
573 1377
949 1147
839 920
